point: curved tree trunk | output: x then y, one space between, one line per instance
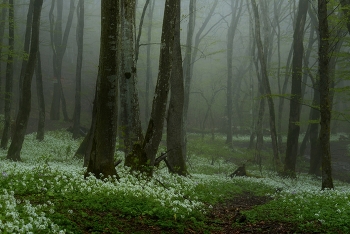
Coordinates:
25 104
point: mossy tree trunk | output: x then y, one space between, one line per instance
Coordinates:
101 161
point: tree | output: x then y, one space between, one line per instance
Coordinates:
41 100
266 85
9 78
25 104
130 110
295 100
80 44
236 12
144 155
149 61
101 161
2 30
59 45
175 141
325 104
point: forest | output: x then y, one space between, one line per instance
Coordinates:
149 116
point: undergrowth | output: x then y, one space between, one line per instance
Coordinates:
47 193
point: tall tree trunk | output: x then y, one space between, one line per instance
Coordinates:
149 60
25 104
41 100
325 104
9 78
266 84
80 44
27 37
59 45
144 155
2 30
295 100
130 110
175 139
236 11
315 155
101 161
187 67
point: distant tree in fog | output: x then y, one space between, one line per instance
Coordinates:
59 45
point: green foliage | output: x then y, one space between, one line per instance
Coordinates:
327 211
49 194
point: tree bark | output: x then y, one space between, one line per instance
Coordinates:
295 100
25 104
130 110
41 100
101 162
27 37
144 155
149 61
9 79
325 104
80 44
175 141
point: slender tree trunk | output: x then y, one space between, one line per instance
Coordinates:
295 101
266 85
175 139
25 104
144 155
187 67
101 161
59 45
9 79
325 104
80 44
2 30
315 155
27 37
149 60
41 100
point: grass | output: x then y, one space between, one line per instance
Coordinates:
47 193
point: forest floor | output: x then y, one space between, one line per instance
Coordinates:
225 216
